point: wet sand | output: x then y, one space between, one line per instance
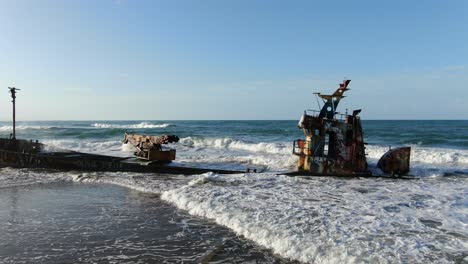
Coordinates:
103 223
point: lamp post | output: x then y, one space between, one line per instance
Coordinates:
13 96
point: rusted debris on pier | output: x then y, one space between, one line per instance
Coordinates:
150 147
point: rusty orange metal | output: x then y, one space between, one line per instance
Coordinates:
334 143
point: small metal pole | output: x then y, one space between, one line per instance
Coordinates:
333 107
13 96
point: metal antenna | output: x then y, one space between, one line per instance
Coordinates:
316 98
13 96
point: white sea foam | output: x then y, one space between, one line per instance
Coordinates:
229 143
318 220
132 126
427 161
426 154
23 127
270 156
143 182
329 220
262 162
112 147
277 156
262 155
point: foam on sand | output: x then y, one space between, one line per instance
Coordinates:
318 220
329 220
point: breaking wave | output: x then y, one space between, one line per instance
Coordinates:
426 154
329 220
133 126
229 143
274 163
427 161
320 220
277 156
270 156
112 147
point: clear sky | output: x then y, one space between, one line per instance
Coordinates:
237 59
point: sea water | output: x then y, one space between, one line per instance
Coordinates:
318 220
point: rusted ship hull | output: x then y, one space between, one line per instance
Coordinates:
334 143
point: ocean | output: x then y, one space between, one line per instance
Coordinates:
257 218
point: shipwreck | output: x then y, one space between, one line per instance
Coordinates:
334 143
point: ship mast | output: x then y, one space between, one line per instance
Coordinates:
331 101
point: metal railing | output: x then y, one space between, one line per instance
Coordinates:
315 113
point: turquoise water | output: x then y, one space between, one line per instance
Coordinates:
318 220
430 133
439 147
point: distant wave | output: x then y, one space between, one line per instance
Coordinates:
23 127
134 126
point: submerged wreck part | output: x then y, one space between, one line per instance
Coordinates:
335 146
395 161
149 147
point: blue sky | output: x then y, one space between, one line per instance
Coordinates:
158 60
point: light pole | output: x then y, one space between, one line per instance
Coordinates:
13 96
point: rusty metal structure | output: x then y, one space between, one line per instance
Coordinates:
334 143
150 147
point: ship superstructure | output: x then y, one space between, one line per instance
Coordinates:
334 143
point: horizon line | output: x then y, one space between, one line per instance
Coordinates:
143 120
